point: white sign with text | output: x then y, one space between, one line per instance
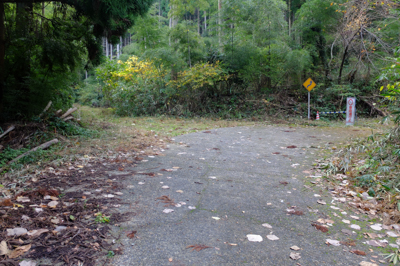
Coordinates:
350 111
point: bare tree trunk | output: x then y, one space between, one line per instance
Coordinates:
219 21
205 22
2 55
342 64
289 15
198 21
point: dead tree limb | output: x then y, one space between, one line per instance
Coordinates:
8 130
70 111
379 111
46 108
68 118
41 147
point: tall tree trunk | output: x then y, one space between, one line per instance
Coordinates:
289 2
219 21
342 64
2 56
198 21
205 23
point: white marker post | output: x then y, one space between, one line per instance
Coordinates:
350 111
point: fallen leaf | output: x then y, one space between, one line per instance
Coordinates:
16 231
232 244
375 243
179 191
267 225
355 226
108 195
23 199
294 255
335 208
170 259
349 243
283 183
291 147
294 248
212 177
376 227
392 234
131 234
254 238
294 212
272 237
366 263
19 251
55 221
332 242
321 228
6 203
27 263
167 200
165 187
168 210
35 233
216 218
321 202
198 247
347 232
4 248
52 204
191 207
358 252
346 221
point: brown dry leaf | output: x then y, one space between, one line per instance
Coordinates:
131 234
372 235
294 212
198 247
35 233
291 147
208 131
4 248
167 200
358 252
321 228
283 183
276 153
6 203
19 251
349 242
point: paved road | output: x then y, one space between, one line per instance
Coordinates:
232 177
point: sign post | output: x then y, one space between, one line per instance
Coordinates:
309 84
350 111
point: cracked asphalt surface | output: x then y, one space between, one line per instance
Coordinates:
234 174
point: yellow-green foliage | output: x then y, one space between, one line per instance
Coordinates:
145 86
200 75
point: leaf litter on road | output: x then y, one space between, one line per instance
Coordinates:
197 247
254 238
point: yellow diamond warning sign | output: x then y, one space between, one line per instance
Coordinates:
309 84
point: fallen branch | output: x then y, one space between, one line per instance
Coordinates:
380 112
46 108
8 130
70 111
41 147
69 118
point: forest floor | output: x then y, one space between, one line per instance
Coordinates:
233 192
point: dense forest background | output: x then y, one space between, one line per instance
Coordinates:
227 58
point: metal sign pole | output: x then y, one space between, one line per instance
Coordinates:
308 105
